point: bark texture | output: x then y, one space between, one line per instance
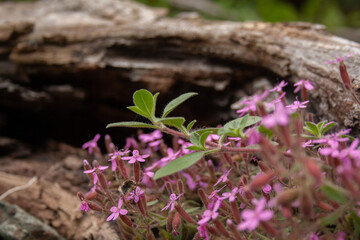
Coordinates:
78 51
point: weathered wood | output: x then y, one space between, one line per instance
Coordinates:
56 207
138 44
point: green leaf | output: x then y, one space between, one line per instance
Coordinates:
190 125
312 128
195 138
249 120
356 222
144 100
174 121
235 127
333 192
153 202
212 130
191 210
154 99
131 124
327 127
176 102
195 148
332 217
203 138
265 131
138 111
179 164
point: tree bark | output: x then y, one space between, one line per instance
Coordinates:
125 43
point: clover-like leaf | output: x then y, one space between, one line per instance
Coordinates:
176 102
179 164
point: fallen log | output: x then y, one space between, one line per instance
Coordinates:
98 52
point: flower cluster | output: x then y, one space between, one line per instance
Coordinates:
272 173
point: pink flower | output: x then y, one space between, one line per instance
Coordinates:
340 58
131 143
230 195
116 211
92 144
303 83
281 117
307 144
314 236
332 149
116 155
210 214
252 102
215 192
93 171
136 157
171 204
147 176
84 206
136 194
279 87
203 231
223 177
152 138
184 146
252 218
253 137
266 188
193 183
297 105
351 151
171 156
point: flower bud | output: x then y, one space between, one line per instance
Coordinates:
203 197
94 206
306 203
313 170
183 213
137 171
220 227
344 75
180 186
127 221
169 221
90 195
81 196
263 166
261 180
325 207
102 180
287 197
233 229
176 222
213 230
268 228
235 211
211 171
169 187
108 144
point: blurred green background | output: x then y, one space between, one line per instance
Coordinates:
341 17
